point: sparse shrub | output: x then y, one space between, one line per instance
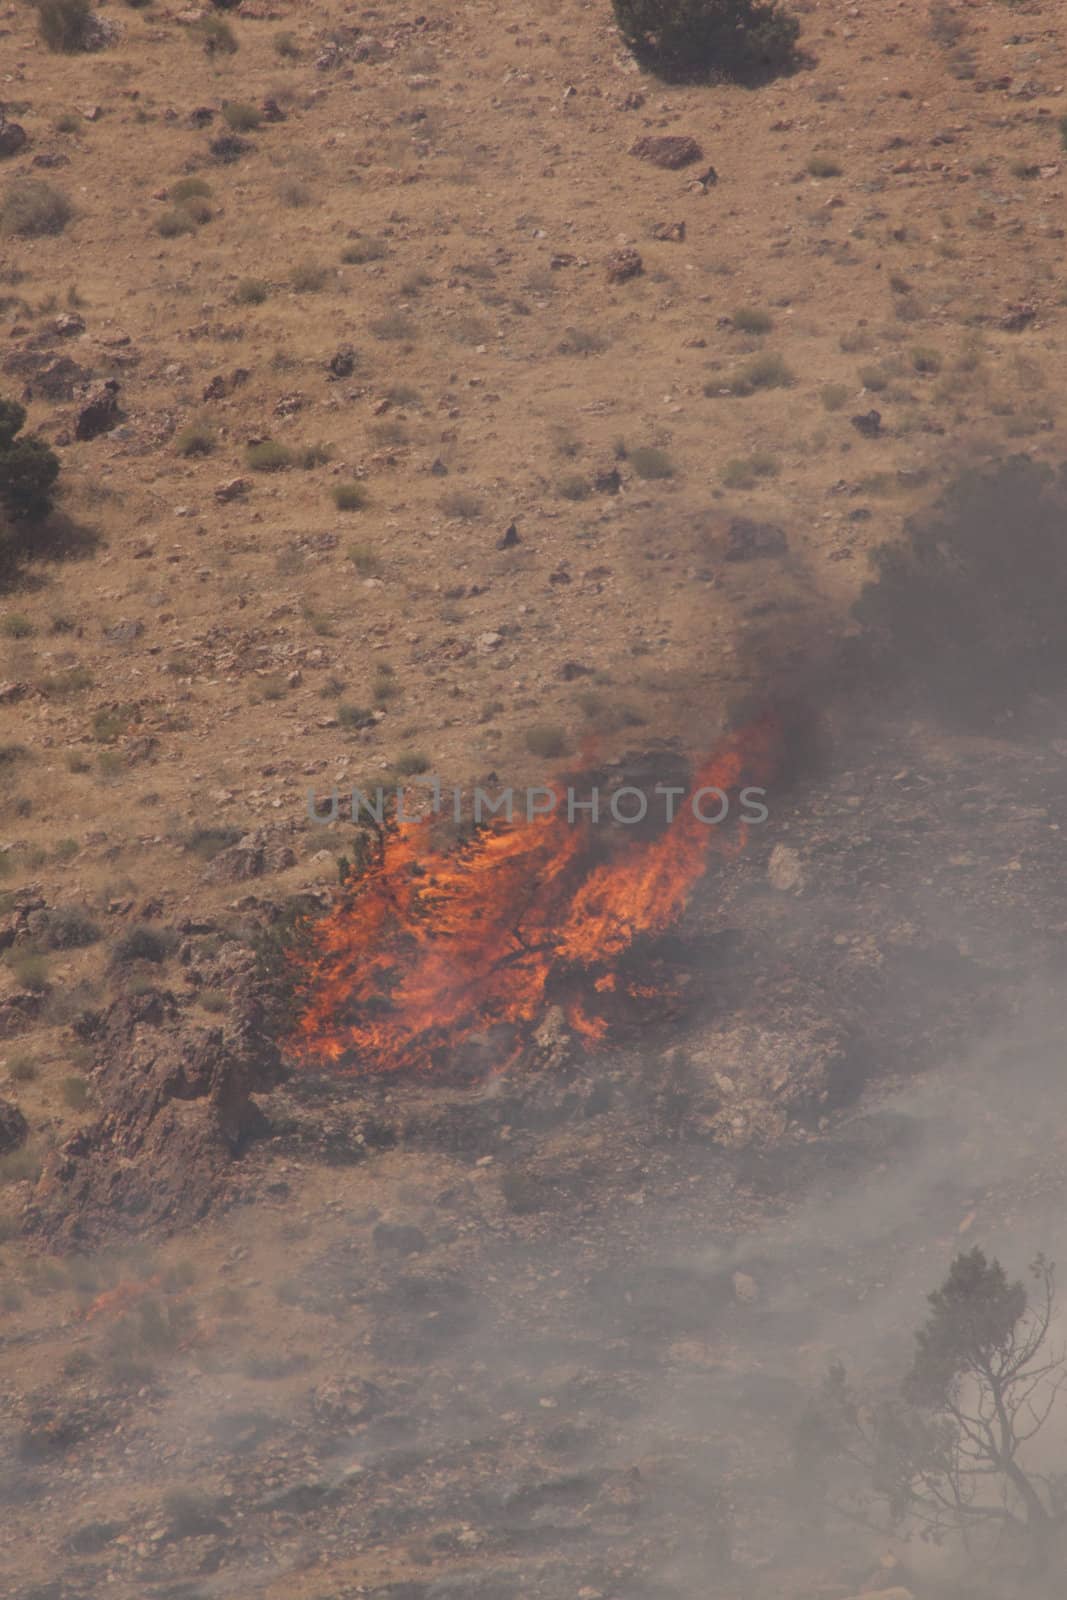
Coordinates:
743 472
241 116
582 342
762 372
365 560
286 46
411 762
197 439
294 194
649 462
173 224
72 680
69 122
313 455
31 971
748 40
833 395
349 496
228 148
362 249
34 209
111 721
141 943
824 167
393 326
70 929
75 1092
575 487
350 716
926 361
461 503
214 1000
308 277
189 189
269 456
65 25
20 1165
251 292
206 843
751 319
21 1067
546 740
16 626
217 36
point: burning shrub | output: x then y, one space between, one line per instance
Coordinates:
966 615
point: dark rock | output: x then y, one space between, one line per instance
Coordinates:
869 424
99 411
748 541
671 232
124 632
14 1128
272 111
623 264
670 150
202 116
13 137
252 856
69 325
342 363
574 669
509 538
607 481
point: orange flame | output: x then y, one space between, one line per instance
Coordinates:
124 1295
428 949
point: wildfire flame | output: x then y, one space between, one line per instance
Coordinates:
430 948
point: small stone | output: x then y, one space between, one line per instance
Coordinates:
785 871
486 643
624 264
670 150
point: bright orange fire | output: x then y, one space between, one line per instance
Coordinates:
430 948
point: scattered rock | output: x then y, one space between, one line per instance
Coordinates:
672 232
252 856
747 540
289 404
624 264
69 325
785 871
486 643
124 632
11 692
272 111
670 150
232 489
99 411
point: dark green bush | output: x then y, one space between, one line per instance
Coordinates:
741 39
28 468
65 24
31 208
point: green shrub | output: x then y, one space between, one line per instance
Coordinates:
65 25
16 626
362 249
365 561
762 372
206 843
70 929
33 209
172 224
251 292
747 40
189 189
241 116
394 325
349 496
286 46
308 277
21 1067
75 1092
217 36
411 762
926 361
833 395
546 741
269 456
198 439
650 462
28 468
751 319
575 487
350 716
461 503
824 167
31 971
142 943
